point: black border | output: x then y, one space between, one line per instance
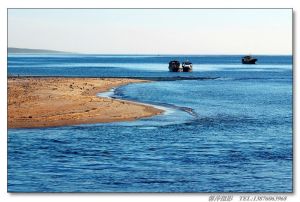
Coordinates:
170 193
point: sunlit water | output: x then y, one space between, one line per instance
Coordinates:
229 130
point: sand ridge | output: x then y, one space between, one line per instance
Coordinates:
56 101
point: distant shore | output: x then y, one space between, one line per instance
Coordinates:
60 101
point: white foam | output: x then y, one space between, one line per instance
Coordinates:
107 94
111 92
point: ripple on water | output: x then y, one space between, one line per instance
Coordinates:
240 140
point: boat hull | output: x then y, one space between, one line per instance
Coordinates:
251 61
174 66
175 69
187 69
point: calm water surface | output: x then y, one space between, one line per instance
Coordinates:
231 132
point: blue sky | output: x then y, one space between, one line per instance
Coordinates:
153 31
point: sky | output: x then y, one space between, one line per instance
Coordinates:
153 31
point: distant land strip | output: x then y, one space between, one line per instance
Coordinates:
28 51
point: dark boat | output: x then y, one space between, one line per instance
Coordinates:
187 66
174 66
248 60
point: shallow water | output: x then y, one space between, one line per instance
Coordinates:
231 132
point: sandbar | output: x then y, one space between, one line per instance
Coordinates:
59 101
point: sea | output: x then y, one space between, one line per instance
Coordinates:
226 127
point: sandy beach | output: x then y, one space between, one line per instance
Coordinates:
53 101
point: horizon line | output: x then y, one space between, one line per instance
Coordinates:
154 54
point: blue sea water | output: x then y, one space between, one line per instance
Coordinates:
227 130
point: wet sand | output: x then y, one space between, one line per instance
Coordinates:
56 101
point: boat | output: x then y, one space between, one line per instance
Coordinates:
174 66
248 60
187 66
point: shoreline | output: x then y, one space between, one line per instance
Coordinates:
35 102
164 78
